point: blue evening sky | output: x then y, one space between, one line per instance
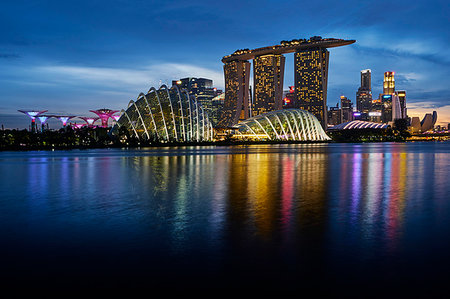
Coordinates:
72 56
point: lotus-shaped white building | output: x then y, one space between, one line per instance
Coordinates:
286 124
166 115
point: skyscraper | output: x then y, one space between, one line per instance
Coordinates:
334 115
388 83
311 77
366 79
402 98
268 72
236 105
201 88
364 93
194 85
347 109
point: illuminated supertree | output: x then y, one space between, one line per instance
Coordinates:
89 120
33 114
104 115
116 117
64 118
78 126
43 119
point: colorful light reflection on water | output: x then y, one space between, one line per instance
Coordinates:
241 216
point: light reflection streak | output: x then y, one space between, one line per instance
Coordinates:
287 193
265 194
356 185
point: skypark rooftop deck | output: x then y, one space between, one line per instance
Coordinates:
288 47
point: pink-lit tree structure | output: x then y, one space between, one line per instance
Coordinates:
78 126
89 120
116 117
104 115
33 114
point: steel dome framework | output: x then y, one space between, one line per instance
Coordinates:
359 124
286 124
166 115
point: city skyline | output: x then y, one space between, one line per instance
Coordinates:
73 57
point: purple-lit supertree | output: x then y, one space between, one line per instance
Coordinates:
33 114
43 119
104 115
89 120
64 118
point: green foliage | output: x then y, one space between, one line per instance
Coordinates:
64 138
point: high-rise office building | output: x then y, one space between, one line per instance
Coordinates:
193 85
402 98
268 75
334 115
236 105
201 88
311 77
216 108
366 79
388 83
347 109
364 93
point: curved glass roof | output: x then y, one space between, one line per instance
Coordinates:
359 124
286 124
166 115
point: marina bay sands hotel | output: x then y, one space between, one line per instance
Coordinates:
310 74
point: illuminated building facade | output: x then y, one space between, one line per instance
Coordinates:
347 109
402 99
334 116
268 76
165 115
216 108
388 83
193 85
236 105
201 88
338 115
285 124
364 93
426 124
311 77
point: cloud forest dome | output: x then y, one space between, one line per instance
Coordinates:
286 124
165 115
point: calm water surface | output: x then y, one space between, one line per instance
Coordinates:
283 217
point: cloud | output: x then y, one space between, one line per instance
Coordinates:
128 79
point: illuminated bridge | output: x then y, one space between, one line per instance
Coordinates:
311 78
